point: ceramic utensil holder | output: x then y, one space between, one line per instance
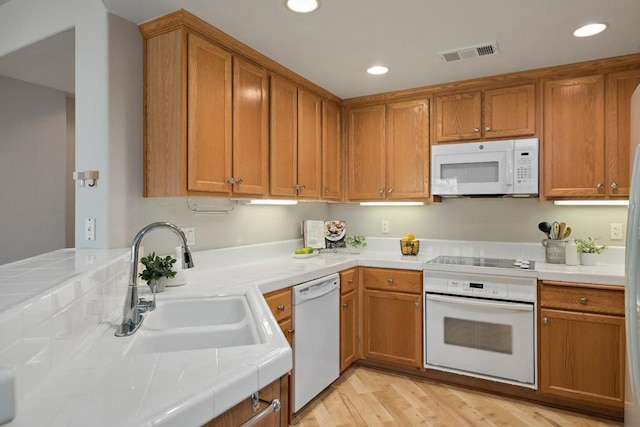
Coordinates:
554 251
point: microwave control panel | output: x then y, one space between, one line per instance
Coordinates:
525 166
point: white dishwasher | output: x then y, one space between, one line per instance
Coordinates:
316 342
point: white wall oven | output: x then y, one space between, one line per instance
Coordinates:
481 324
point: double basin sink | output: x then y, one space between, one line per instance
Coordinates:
196 323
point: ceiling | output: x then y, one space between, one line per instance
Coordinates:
333 46
50 62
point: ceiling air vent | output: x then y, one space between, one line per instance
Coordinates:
469 52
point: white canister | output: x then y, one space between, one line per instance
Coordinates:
571 253
181 275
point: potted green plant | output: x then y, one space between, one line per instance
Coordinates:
589 249
157 270
355 243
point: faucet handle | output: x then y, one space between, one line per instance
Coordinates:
143 305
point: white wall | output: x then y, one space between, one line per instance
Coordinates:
33 172
505 220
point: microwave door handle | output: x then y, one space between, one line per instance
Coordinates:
483 303
509 171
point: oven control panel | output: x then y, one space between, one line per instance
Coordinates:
480 289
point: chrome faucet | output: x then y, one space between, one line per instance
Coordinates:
133 308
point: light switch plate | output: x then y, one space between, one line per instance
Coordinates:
385 226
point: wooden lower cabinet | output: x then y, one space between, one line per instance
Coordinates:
244 410
392 319
349 324
582 343
280 304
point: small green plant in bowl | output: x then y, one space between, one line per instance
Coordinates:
355 242
156 269
590 246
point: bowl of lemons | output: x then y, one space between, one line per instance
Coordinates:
409 245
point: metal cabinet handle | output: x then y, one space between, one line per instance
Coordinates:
390 281
476 129
273 406
545 320
614 186
280 307
345 305
600 186
584 300
239 181
350 281
290 331
390 190
326 189
487 129
381 190
417 304
231 181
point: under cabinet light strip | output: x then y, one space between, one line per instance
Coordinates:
271 202
391 203
591 202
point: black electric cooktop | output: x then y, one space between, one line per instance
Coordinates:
484 262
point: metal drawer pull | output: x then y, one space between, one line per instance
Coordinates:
600 186
584 300
273 406
350 281
417 304
281 307
390 281
345 305
290 331
545 320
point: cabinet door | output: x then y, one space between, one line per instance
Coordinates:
392 327
574 137
407 150
209 117
250 128
620 87
309 145
582 356
348 329
367 153
509 112
458 117
331 152
284 137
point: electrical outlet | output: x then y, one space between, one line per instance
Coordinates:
616 231
90 229
190 233
385 226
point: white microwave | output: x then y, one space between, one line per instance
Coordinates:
493 168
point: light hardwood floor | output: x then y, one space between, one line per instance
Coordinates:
368 397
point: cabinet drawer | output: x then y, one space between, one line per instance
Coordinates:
393 280
585 298
280 303
348 280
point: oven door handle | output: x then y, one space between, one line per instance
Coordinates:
483 303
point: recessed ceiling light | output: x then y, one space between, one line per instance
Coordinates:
590 30
302 6
377 70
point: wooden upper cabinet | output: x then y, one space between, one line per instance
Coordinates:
574 143
296 141
250 128
209 116
331 152
389 151
620 87
458 117
284 137
491 113
407 144
309 145
509 112
367 152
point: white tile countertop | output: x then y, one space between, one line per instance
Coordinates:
92 381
